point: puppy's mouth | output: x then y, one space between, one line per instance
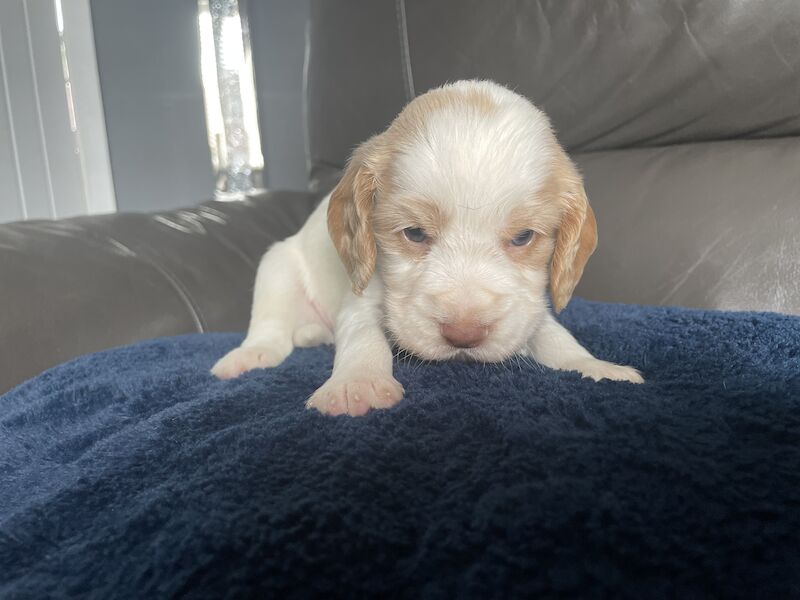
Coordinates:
481 342
486 352
479 354
467 355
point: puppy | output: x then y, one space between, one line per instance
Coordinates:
443 234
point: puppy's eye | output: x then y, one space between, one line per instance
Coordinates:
523 238
415 234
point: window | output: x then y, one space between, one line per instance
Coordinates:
54 159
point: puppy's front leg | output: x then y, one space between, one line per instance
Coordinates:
274 315
362 369
553 346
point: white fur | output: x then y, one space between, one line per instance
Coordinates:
476 169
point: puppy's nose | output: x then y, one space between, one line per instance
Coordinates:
464 334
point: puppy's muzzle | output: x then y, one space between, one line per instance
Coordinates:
464 334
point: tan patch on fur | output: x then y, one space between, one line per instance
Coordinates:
350 212
541 216
576 238
349 215
392 216
398 214
415 114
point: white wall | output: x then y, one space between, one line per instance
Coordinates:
278 30
148 57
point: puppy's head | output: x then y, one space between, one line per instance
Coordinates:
468 207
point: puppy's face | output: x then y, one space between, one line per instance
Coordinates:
468 208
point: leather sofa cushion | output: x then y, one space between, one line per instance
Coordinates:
80 285
712 225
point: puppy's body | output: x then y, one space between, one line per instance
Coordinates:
443 233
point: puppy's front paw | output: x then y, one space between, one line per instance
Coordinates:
600 369
241 360
355 396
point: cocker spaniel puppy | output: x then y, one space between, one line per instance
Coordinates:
442 237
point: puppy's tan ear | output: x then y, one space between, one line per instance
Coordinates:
350 214
577 233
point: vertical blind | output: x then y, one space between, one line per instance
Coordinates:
54 158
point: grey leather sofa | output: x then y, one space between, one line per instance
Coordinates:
684 117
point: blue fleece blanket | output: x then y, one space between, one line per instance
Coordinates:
133 473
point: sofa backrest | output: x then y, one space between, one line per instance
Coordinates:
684 117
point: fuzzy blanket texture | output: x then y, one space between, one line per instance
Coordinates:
134 473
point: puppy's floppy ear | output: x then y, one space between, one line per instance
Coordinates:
577 233
350 214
